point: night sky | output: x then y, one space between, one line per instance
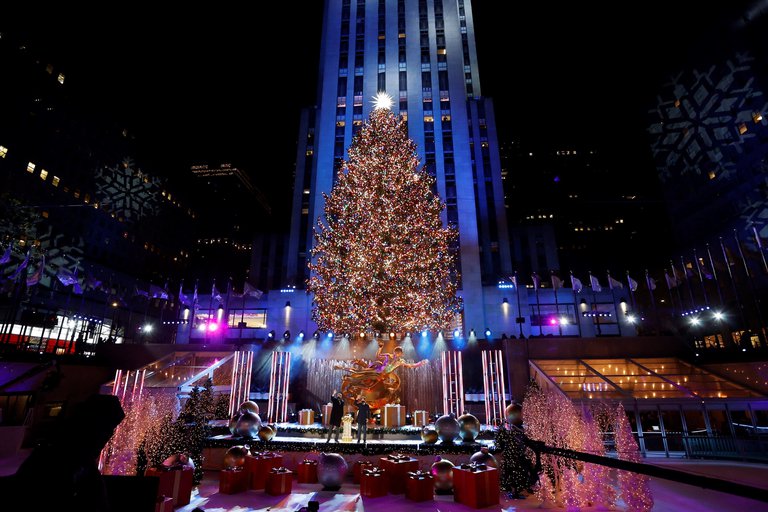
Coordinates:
200 91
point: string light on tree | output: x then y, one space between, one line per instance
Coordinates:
382 257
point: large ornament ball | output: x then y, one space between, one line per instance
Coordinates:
249 406
248 425
428 435
442 472
266 433
514 413
484 457
235 456
447 428
331 470
179 460
469 427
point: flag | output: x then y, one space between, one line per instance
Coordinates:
576 284
514 280
34 278
20 268
556 282
91 283
612 283
157 293
76 289
250 290
6 255
705 272
651 283
194 296
671 281
215 295
595 284
140 293
536 281
66 277
183 299
688 272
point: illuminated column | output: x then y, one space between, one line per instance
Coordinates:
493 386
126 378
242 367
277 409
453 383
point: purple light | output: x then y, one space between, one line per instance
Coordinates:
553 321
213 326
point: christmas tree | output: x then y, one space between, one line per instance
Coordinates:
382 257
635 488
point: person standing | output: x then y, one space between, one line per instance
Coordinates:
337 411
363 412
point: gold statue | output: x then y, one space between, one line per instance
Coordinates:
375 380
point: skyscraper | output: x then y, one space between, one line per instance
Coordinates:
421 52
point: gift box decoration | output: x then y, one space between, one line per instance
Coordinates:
258 466
397 467
175 482
306 417
476 485
357 468
306 471
233 481
164 504
420 418
279 481
394 416
373 482
419 486
327 408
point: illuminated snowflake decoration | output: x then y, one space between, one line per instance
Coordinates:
127 192
703 119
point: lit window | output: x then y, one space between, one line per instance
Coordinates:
43 174
305 211
76 193
87 198
55 181
310 152
340 123
44 214
3 151
677 103
757 117
60 79
429 119
49 69
306 191
712 175
441 51
742 128
30 167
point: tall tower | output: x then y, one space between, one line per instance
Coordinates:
421 52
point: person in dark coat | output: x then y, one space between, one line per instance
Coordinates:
363 412
337 411
62 473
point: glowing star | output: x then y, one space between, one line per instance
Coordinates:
382 100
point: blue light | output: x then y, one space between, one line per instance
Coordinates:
456 333
487 333
424 333
301 334
330 334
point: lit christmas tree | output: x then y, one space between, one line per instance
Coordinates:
635 488
382 258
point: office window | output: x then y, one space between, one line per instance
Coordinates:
30 167
55 181
3 151
60 79
43 174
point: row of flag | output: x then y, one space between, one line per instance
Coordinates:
594 282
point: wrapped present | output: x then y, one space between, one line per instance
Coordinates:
397 467
164 504
279 481
394 416
420 418
357 467
233 481
306 471
306 417
327 408
175 482
476 485
419 486
373 483
258 466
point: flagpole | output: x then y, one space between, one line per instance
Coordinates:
701 278
714 274
576 305
677 286
631 292
755 298
613 296
595 319
688 283
760 248
519 313
536 284
671 298
733 286
557 306
653 302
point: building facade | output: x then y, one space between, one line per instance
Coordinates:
422 53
